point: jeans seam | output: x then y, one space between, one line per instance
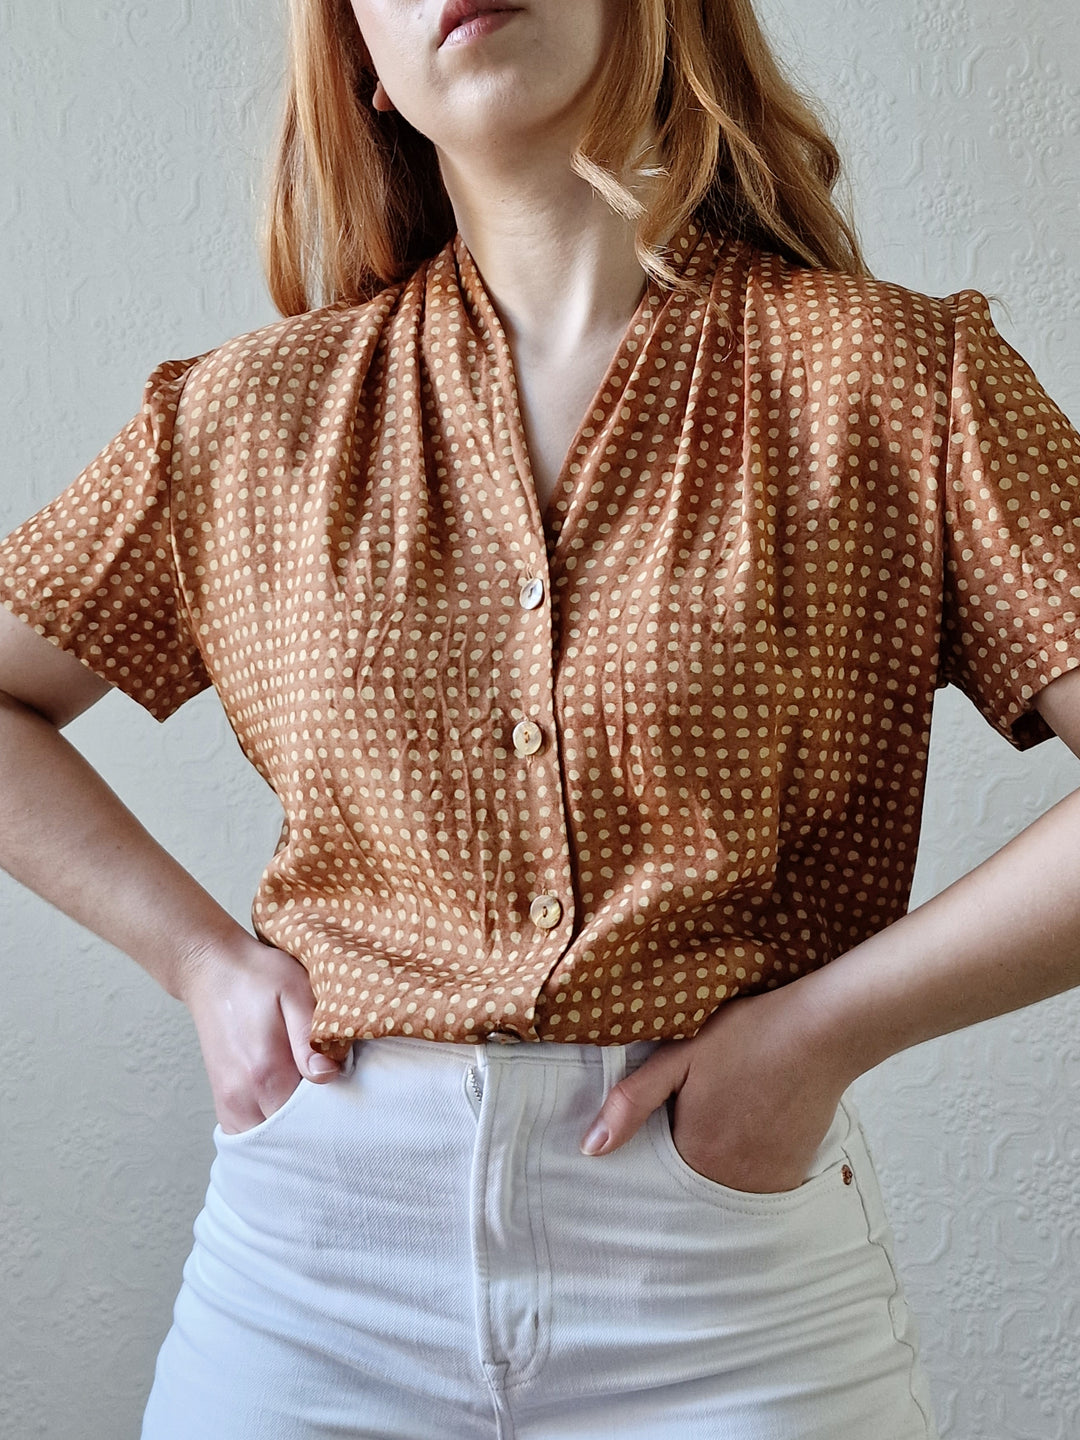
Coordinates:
898 1290
538 1240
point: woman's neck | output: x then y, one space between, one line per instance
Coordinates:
556 260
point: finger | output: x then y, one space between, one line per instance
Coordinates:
297 1015
630 1103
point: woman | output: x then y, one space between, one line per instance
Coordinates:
579 575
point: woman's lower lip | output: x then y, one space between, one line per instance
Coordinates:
479 25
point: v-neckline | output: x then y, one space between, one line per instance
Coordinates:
495 339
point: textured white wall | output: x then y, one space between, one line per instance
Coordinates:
129 144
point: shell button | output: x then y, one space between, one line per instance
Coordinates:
527 737
545 911
532 592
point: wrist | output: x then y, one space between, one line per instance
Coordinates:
834 1038
201 954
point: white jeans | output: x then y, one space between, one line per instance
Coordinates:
419 1251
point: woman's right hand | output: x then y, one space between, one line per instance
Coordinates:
252 1005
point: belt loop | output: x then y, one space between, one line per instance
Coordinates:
614 1059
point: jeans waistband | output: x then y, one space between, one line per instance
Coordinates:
516 1052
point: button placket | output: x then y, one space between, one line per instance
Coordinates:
544 778
534 735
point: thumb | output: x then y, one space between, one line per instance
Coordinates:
630 1103
297 1017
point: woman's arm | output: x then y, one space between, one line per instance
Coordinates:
1003 936
68 837
773 1066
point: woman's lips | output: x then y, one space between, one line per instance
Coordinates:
466 19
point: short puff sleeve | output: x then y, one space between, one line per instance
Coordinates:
95 570
1011 517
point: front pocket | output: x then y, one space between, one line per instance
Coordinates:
270 1121
833 1171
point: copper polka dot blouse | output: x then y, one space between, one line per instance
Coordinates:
580 776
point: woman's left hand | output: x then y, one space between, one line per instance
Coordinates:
756 1089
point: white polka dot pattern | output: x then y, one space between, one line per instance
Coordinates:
1012 518
94 570
686 761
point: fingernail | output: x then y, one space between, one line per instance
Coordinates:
320 1065
596 1139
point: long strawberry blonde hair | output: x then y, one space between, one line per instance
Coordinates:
356 199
